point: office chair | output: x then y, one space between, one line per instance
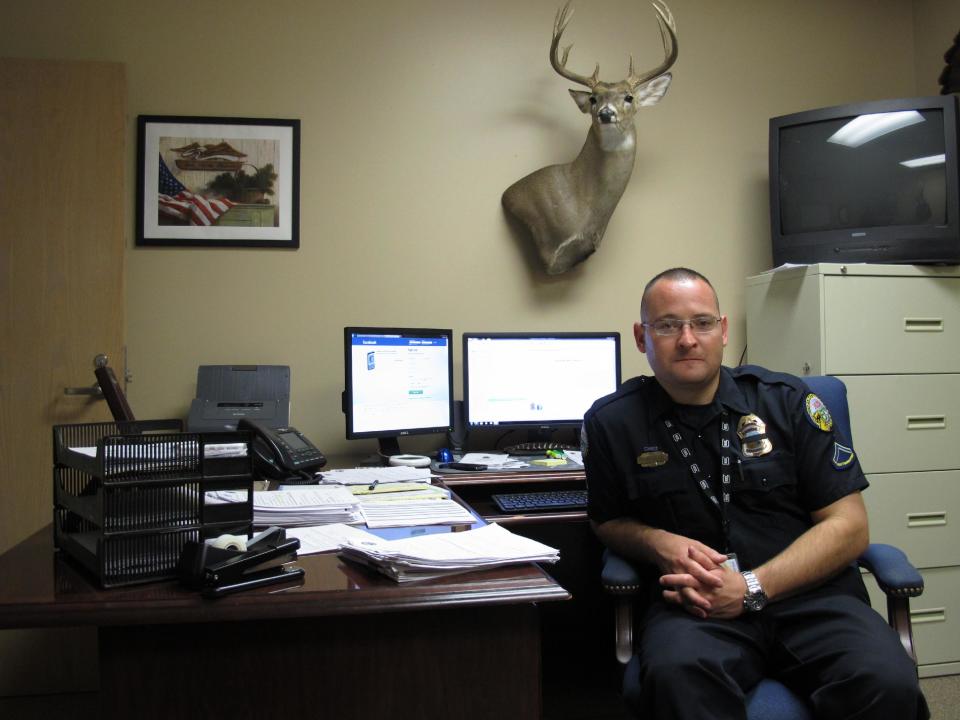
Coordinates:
771 700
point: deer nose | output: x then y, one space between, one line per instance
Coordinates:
606 115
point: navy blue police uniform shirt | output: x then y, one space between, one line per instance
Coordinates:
806 467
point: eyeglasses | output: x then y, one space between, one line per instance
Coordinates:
671 327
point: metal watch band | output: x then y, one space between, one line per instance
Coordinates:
756 598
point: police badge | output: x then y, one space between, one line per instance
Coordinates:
753 439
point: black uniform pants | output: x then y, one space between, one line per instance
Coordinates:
827 645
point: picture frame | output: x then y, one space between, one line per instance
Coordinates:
218 182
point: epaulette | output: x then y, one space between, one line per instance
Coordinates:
628 387
770 377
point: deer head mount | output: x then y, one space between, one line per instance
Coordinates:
566 208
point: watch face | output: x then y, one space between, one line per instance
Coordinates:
755 602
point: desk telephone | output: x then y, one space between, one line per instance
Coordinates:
283 453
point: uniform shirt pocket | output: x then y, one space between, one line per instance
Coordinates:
766 473
767 487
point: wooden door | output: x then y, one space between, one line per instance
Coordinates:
62 138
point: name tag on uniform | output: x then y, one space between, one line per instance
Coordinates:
652 458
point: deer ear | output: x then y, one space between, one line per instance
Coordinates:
651 92
582 99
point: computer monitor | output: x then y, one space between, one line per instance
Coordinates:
398 382
540 382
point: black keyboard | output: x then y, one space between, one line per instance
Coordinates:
544 500
536 448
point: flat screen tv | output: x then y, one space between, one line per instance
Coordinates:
869 182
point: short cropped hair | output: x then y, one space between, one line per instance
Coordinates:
677 274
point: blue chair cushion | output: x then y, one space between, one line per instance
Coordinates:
771 700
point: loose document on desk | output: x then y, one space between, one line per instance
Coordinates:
432 556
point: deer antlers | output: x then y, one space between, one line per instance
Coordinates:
668 34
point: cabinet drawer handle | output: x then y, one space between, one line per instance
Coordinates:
926 519
923 324
926 422
929 615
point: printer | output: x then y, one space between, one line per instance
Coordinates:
228 393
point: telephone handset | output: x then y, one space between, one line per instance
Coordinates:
282 453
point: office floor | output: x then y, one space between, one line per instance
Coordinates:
560 702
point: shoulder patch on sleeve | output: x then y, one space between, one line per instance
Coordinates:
843 456
817 413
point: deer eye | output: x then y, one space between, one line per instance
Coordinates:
593 99
628 98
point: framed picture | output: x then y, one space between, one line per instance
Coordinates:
218 182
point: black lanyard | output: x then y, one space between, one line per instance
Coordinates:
696 468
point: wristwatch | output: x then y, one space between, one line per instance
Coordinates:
756 599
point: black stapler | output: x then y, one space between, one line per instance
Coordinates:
218 571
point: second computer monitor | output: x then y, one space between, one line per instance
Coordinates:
537 381
399 381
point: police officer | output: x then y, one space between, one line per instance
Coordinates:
732 491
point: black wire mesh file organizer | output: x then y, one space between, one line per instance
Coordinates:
128 496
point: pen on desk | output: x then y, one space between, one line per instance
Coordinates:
372 485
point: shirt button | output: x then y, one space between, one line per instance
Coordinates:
763 481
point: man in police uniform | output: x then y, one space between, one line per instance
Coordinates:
732 490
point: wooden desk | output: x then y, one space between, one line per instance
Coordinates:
347 643
571 631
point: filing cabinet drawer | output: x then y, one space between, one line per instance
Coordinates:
891 325
903 423
936 632
917 512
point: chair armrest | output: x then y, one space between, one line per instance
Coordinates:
618 576
895 575
900 581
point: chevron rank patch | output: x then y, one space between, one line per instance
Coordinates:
842 456
817 413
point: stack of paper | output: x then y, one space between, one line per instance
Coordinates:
308 505
404 513
313 505
439 555
376 475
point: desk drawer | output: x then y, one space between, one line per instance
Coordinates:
904 423
891 325
936 631
919 513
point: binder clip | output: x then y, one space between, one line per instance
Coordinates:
214 571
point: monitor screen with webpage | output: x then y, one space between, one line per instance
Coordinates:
537 381
398 382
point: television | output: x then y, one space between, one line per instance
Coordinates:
398 382
869 182
538 382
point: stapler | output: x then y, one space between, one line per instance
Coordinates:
216 571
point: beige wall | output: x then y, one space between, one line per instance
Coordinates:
416 115
936 24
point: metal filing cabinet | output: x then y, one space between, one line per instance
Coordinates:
892 334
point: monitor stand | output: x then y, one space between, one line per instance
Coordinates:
390 454
389 446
